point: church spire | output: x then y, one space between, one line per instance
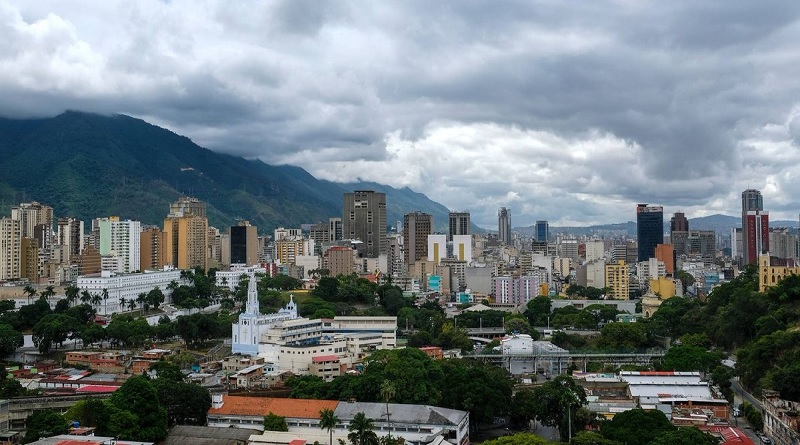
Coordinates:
252 296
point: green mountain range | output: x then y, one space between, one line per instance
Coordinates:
89 166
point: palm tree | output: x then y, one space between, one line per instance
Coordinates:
387 393
96 299
48 292
104 294
29 291
71 292
141 298
122 302
85 296
132 304
328 421
361 430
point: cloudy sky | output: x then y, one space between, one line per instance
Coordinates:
560 110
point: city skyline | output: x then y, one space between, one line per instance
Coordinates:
559 112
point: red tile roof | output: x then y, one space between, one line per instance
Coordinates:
261 406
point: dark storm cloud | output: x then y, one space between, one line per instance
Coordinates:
609 103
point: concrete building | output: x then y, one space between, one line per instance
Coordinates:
10 248
782 243
752 201
568 248
504 226
541 231
287 250
334 229
666 254
244 243
339 260
186 234
152 242
781 422
364 218
462 248
618 281
459 224
437 248
30 215
515 290
121 239
70 235
416 228
123 288
595 250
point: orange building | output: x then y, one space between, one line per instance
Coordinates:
153 249
186 239
666 254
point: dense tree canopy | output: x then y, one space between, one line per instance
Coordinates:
636 426
139 397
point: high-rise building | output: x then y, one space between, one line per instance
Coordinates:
416 228
334 229
649 230
542 231
70 235
462 248
152 242
618 281
437 248
121 239
186 233
10 248
364 219
678 222
29 260
755 235
752 201
504 226
459 224
186 205
30 215
244 244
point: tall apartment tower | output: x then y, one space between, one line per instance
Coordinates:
152 242
649 230
679 223
416 228
364 219
504 226
459 224
70 235
10 248
755 235
186 232
121 239
30 215
752 201
542 231
244 244
334 229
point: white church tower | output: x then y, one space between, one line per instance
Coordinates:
246 334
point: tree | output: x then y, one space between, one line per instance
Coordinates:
155 297
54 329
517 325
556 401
538 310
684 436
44 424
480 388
784 380
414 375
519 439
139 397
92 334
690 358
327 289
186 403
48 292
274 422
9 387
361 430
10 340
328 421
387 393
29 292
104 295
636 426
592 438
71 293
622 336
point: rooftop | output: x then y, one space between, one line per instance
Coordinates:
261 406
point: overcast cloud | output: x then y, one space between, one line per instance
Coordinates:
566 111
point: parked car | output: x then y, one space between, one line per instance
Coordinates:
765 439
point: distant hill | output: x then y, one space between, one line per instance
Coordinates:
89 165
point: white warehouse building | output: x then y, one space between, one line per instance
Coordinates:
127 286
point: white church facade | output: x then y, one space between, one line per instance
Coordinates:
252 325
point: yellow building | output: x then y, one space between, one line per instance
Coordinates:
663 286
287 250
617 280
770 275
153 249
29 259
185 241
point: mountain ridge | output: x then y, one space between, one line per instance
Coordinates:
88 165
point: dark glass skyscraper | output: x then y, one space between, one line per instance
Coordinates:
752 201
649 230
504 226
542 231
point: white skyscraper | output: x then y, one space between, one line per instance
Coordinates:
121 239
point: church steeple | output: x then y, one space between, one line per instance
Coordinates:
252 296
